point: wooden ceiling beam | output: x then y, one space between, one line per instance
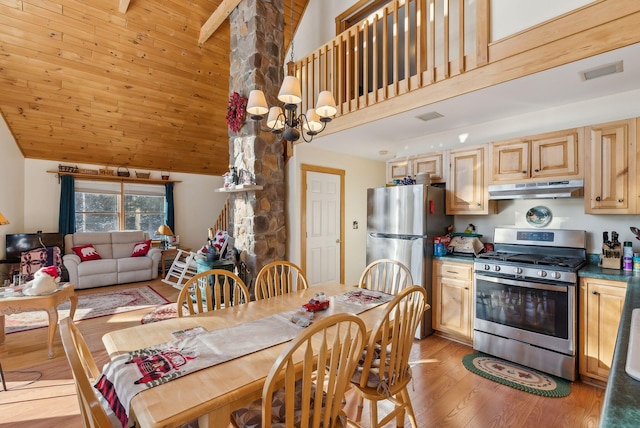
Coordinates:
216 19
123 5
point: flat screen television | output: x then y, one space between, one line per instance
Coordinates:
19 242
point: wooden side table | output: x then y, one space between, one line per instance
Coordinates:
49 302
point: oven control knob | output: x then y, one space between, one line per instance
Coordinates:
518 270
555 275
487 267
542 273
496 268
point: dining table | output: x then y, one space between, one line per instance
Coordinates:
212 393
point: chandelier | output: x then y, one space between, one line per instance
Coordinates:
288 122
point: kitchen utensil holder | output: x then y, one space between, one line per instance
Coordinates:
611 257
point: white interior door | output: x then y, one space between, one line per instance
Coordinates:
323 227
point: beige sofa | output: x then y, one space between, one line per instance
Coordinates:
116 266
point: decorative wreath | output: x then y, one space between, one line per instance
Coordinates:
236 111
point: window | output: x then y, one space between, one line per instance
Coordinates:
106 206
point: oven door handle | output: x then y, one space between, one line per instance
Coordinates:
526 284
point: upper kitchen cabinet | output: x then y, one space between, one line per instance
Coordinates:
398 169
430 163
554 155
467 182
610 186
412 165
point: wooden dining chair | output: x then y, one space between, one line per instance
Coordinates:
386 275
85 373
210 290
384 372
278 278
295 391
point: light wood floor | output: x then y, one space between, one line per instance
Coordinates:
444 393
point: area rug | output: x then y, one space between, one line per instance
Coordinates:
90 306
516 376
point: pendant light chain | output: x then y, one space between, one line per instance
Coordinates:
291 30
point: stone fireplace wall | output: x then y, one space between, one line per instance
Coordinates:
257 222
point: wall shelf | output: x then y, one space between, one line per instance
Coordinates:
240 188
116 178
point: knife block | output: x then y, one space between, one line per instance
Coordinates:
611 257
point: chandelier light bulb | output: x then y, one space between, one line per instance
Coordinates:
313 123
275 120
290 92
326 106
257 104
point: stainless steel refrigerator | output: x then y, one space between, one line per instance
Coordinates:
401 224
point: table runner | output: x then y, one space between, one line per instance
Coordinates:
128 374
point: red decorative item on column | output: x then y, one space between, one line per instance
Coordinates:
236 112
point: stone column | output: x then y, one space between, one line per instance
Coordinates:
257 221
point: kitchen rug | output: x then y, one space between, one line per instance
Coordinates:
90 305
516 376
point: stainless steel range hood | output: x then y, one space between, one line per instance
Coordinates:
546 189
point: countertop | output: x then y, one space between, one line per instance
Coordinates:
621 407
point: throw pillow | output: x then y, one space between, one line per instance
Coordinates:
141 248
86 252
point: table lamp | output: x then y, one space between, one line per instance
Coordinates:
165 231
3 220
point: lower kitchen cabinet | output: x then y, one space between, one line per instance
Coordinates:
600 308
452 299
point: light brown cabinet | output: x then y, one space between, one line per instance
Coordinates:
610 185
554 155
398 169
412 165
467 182
600 304
452 299
431 163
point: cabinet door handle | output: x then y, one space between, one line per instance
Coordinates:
524 172
598 198
595 293
620 200
536 170
466 288
478 204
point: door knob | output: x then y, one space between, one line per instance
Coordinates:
338 241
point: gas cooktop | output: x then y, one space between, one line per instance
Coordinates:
533 259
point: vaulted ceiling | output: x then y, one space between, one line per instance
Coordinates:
119 82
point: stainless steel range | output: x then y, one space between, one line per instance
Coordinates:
526 296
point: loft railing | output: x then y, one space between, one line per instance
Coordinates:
408 45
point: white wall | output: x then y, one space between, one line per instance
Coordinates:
12 199
360 174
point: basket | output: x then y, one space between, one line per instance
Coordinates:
123 171
142 174
105 171
88 171
67 168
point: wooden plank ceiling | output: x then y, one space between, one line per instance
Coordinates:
81 82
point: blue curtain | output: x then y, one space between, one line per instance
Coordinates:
67 217
169 196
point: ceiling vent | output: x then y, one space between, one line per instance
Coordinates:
429 116
603 70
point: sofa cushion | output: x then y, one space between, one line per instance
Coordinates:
131 264
123 242
141 248
100 240
86 252
97 267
